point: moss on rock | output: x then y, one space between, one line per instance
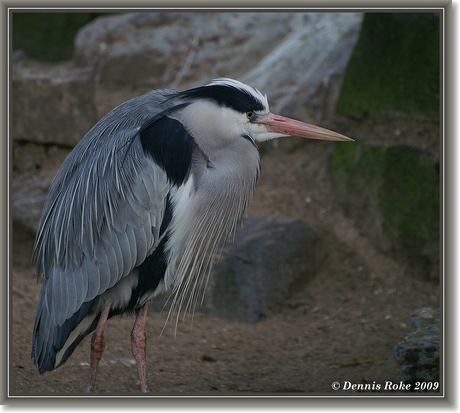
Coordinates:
394 66
392 194
48 36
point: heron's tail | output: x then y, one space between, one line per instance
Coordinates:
53 344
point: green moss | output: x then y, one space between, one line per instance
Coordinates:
348 161
48 36
343 155
393 196
342 162
394 66
409 198
369 162
208 357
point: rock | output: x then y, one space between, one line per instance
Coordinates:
270 257
34 167
18 59
52 104
28 201
392 195
168 49
296 58
382 78
418 353
304 73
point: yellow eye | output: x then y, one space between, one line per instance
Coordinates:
249 114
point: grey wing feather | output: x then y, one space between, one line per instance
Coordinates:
103 212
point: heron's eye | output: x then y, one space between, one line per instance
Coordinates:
249 114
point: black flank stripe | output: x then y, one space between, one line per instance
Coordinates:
151 272
167 217
170 146
153 269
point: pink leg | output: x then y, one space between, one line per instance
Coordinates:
97 347
138 346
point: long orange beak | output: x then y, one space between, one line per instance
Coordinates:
290 127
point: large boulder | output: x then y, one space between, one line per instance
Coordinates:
418 354
154 48
382 78
392 194
388 181
28 201
303 74
52 104
269 259
293 57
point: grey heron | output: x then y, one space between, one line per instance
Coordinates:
139 207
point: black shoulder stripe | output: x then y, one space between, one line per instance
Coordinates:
169 145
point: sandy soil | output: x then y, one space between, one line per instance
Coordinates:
341 326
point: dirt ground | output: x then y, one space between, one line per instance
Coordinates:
341 326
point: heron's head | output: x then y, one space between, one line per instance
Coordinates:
228 110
